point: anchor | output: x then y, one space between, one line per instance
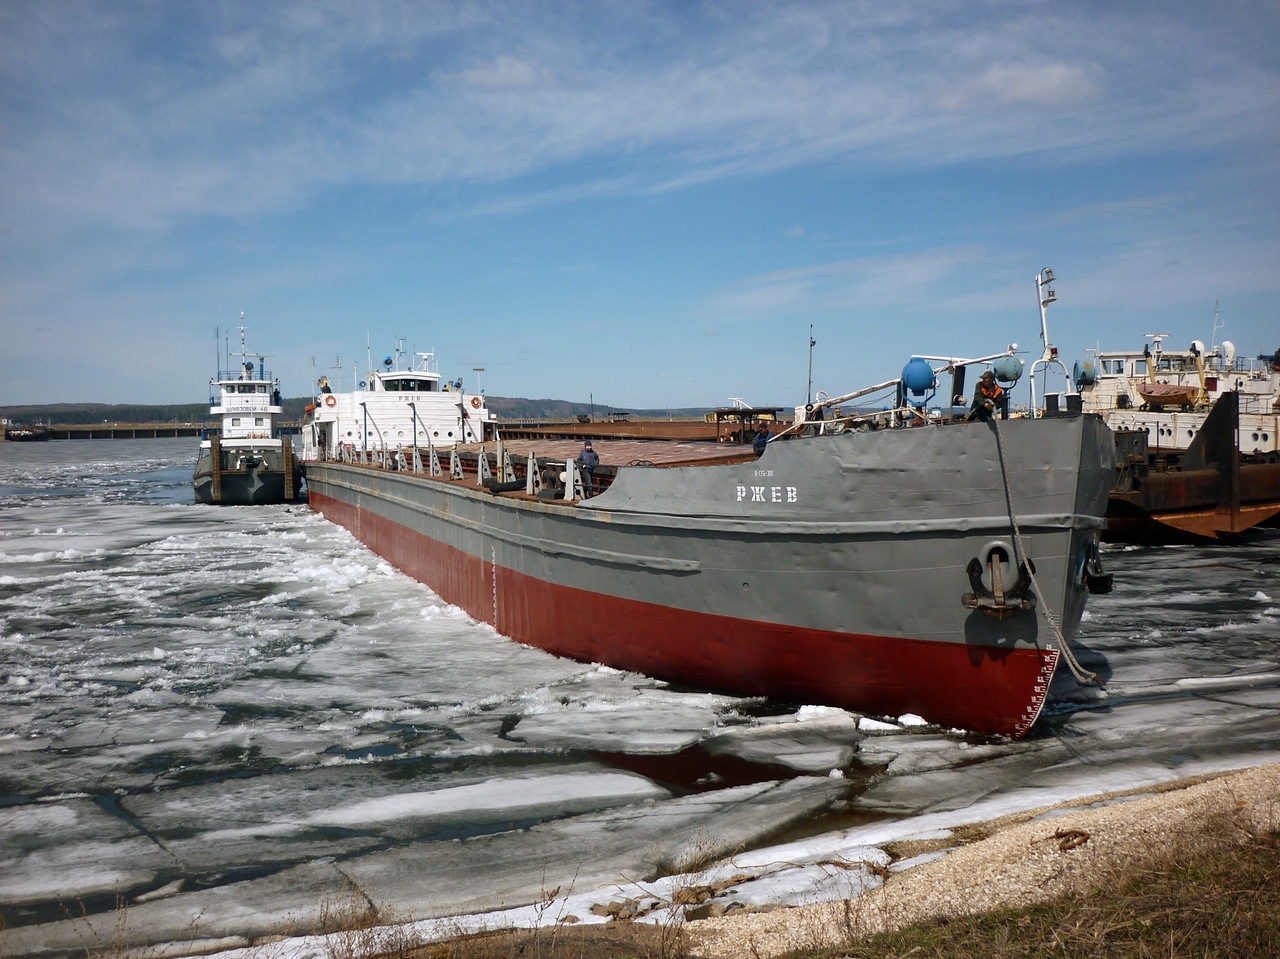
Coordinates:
998 602
1096 580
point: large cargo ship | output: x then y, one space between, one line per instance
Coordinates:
898 562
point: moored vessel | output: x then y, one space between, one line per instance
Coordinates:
1198 432
901 561
25 432
403 405
246 460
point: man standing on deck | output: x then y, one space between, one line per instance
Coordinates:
762 438
987 398
587 462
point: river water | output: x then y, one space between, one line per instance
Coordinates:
223 716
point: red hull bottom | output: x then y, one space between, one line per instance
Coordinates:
977 688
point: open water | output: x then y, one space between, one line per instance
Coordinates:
222 715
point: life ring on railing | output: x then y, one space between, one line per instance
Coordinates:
330 400
475 402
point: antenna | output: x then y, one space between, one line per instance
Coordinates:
1213 340
1047 296
808 391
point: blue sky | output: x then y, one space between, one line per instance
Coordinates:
642 204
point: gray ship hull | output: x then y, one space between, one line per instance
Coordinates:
248 476
831 570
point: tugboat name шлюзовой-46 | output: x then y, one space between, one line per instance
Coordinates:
907 560
246 460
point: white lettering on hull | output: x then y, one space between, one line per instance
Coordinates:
767 494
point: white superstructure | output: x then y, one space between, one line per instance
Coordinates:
391 410
1138 390
248 402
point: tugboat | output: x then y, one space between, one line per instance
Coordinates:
246 460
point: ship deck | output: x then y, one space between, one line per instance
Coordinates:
617 452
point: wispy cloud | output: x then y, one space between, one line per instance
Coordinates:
152 113
868 282
161 160
1048 86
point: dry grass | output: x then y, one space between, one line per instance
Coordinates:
354 927
1217 894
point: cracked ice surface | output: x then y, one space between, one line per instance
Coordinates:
230 715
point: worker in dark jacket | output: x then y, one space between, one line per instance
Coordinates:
761 440
587 462
988 397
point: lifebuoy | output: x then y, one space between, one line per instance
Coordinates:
475 402
330 400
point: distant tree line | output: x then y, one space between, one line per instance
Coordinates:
87 414
515 408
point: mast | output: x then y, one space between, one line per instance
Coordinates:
1045 294
808 391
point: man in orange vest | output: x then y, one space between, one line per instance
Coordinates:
987 398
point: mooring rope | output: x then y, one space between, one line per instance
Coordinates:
1082 675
